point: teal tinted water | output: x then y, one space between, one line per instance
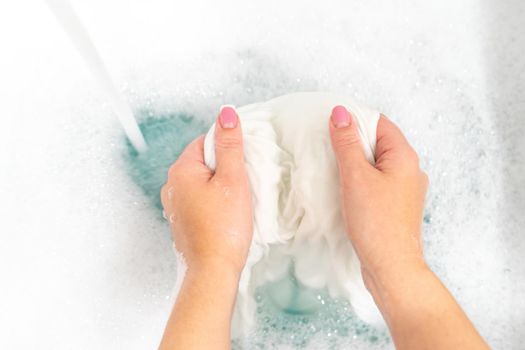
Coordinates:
288 314
166 135
310 316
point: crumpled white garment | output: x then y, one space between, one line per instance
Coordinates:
295 191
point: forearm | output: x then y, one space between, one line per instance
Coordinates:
420 312
201 316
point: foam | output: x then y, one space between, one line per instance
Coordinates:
297 216
87 254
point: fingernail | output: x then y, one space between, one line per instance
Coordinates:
228 117
340 117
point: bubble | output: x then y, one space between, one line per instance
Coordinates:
333 322
166 134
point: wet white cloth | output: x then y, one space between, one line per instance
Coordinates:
297 217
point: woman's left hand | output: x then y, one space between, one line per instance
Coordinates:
210 213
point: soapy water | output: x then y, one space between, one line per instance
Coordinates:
308 317
148 167
97 252
287 312
460 244
167 135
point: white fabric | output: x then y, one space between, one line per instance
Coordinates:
295 187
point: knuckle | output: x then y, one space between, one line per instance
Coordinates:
346 140
412 156
173 169
424 178
228 143
352 174
409 162
350 178
164 195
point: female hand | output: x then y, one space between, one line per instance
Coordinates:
382 208
382 204
210 213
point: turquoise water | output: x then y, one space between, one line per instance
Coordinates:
327 321
166 135
287 312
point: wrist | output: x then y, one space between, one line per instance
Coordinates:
389 275
393 278
398 287
205 301
216 270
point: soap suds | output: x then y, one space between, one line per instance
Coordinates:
87 254
295 191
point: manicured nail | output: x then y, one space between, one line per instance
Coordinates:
340 117
228 117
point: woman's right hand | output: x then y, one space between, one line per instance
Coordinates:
382 204
383 209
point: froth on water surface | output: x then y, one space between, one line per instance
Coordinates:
167 135
288 313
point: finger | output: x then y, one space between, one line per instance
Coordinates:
346 142
228 144
194 151
166 192
191 162
392 148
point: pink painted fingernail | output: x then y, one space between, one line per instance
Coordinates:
340 117
228 117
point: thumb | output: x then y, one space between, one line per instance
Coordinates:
228 144
346 141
